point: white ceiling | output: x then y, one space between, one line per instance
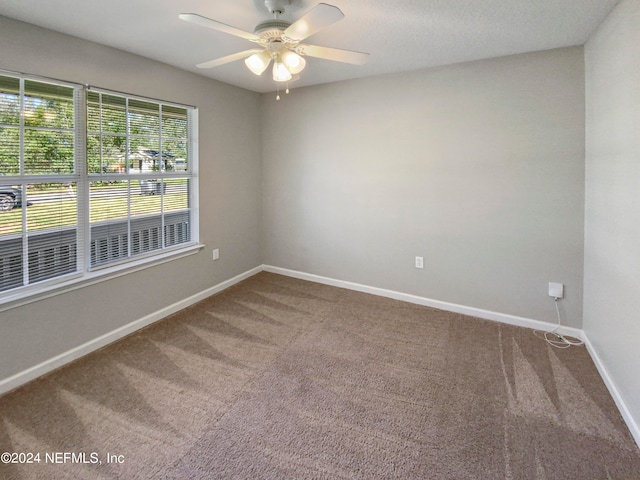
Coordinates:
400 35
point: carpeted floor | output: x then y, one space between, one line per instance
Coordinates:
278 378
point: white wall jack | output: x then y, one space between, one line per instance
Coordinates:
556 290
216 254
419 262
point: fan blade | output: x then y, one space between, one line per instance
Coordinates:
222 27
229 58
346 56
319 17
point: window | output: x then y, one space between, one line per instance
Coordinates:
139 170
89 180
38 141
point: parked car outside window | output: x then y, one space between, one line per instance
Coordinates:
10 197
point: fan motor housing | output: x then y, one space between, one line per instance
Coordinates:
271 28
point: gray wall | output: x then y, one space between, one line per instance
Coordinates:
612 217
477 167
229 202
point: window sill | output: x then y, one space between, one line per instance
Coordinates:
78 281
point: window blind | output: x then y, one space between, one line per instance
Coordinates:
38 181
141 176
89 179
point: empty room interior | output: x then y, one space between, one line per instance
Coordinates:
415 257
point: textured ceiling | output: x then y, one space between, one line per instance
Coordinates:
400 35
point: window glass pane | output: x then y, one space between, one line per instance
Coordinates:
48 152
176 153
9 115
109 210
10 214
108 156
146 234
176 194
52 234
108 201
147 198
94 159
52 230
11 275
144 155
9 101
177 219
174 122
93 112
47 105
144 118
10 237
11 263
146 213
114 116
9 151
177 228
51 206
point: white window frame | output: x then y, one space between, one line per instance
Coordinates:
86 274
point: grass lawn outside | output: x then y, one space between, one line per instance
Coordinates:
59 209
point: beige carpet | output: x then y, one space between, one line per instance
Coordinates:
278 378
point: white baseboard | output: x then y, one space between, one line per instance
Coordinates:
634 428
51 364
450 307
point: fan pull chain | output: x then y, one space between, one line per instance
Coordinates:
278 91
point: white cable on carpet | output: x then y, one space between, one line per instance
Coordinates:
560 341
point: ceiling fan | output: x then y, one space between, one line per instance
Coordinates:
281 41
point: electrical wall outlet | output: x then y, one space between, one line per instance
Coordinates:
419 262
556 290
216 254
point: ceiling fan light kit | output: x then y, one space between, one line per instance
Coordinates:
294 62
258 62
281 41
280 72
